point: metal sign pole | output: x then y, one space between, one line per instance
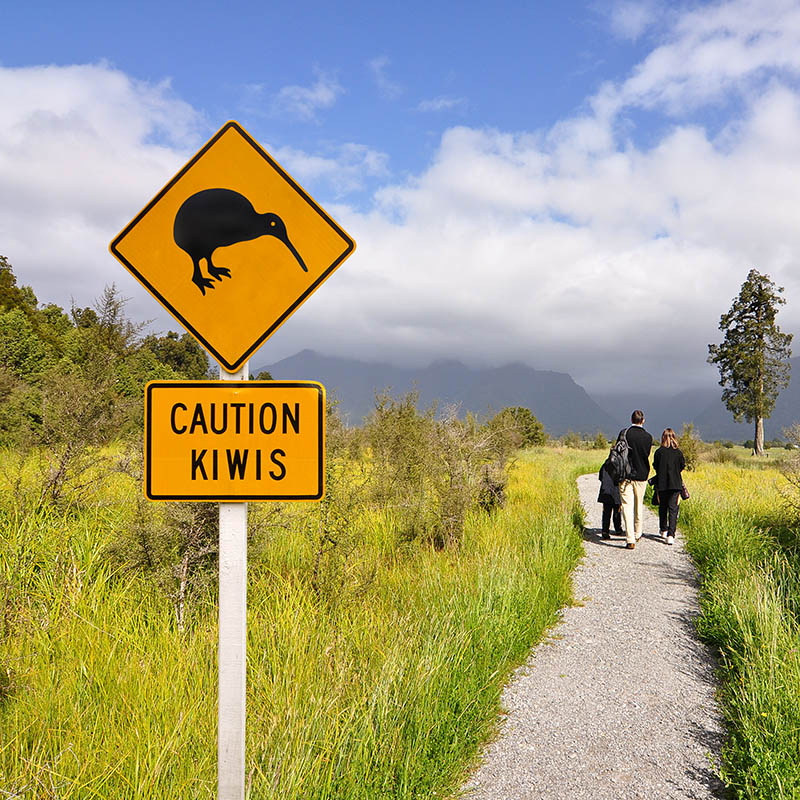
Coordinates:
232 649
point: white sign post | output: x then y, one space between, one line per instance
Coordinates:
232 649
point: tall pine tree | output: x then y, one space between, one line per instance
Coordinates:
753 359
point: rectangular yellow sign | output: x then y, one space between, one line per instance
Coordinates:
234 440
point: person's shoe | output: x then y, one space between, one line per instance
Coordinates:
670 540
664 535
638 536
605 535
630 546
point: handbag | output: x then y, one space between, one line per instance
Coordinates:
654 497
684 492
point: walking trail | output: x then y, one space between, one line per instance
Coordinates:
619 702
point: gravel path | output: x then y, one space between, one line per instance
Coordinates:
619 702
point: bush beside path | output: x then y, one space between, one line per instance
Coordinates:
620 701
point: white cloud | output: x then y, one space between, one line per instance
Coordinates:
304 102
441 104
379 67
577 250
253 100
631 18
711 52
81 148
345 170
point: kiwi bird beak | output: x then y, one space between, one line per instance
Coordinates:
294 252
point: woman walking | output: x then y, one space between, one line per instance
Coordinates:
668 463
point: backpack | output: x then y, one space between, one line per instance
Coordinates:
618 462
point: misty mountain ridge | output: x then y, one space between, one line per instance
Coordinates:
557 401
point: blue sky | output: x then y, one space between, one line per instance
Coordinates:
515 175
314 76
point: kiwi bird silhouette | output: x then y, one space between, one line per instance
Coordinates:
216 218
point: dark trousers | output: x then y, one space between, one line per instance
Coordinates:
608 509
668 511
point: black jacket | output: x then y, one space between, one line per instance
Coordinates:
609 491
639 444
668 463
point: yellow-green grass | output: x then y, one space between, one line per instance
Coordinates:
745 543
387 693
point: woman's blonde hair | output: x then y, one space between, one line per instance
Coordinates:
669 439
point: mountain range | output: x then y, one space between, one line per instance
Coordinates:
557 401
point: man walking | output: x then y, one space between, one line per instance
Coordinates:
632 490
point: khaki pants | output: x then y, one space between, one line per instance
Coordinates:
632 494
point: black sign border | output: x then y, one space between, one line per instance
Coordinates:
217 498
232 366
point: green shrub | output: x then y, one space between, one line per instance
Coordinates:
721 455
428 472
689 443
517 427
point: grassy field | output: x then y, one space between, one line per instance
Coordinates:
385 690
745 542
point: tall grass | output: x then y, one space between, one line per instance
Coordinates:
746 545
384 691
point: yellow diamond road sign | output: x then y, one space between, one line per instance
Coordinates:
232 246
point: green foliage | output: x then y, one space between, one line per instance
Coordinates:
264 375
516 427
70 384
23 353
753 358
182 354
430 472
131 373
79 416
176 546
689 444
722 455
398 436
11 295
20 410
98 347
790 467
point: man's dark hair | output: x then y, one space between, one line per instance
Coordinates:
637 418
